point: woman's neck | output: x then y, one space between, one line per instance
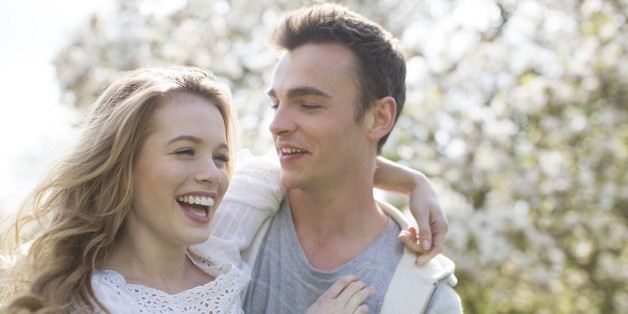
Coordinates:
146 261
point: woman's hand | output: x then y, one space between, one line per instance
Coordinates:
424 205
346 295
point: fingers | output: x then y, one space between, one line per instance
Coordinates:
439 231
438 235
350 290
346 295
362 309
423 207
338 287
424 258
425 231
355 295
426 209
409 239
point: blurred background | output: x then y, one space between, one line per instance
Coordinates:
516 110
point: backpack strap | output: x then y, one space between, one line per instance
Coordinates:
411 287
249 255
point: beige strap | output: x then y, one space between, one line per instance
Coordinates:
249 255
412 287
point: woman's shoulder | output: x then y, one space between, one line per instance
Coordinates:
110 288
220 270
118 295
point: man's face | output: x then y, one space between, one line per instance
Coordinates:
316 136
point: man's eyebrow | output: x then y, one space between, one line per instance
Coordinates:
301 91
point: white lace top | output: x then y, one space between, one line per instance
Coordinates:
222 295
254 194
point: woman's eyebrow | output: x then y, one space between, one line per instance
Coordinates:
185 138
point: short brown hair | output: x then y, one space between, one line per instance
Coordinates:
381 68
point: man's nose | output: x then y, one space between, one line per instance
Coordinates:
283 121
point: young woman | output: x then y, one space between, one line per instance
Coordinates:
112 225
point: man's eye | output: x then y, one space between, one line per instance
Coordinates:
221 160
310 105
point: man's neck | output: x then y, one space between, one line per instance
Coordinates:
335 224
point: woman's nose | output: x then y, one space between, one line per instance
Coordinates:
208 173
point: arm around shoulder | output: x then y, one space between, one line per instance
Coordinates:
254 195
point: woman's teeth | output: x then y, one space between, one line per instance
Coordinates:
196 200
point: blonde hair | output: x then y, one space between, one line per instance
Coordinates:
80 207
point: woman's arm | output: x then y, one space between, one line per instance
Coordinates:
254 195
424 205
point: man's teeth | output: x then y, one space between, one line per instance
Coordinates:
290 150
196 200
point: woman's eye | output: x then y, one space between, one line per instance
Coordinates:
185 152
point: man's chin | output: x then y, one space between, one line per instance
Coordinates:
289 180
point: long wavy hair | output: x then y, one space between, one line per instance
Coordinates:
74 216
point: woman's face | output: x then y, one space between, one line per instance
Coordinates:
180 172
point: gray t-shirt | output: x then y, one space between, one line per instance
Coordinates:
285 282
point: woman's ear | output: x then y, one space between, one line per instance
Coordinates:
381 117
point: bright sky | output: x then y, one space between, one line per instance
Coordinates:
34 126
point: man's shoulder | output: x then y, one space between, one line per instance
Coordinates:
437 268
412 287
249 255
444 300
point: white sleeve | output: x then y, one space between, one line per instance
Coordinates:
254 194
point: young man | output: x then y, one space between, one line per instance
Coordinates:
337 93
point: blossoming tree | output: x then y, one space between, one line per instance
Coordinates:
517 110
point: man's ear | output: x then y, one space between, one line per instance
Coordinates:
381 117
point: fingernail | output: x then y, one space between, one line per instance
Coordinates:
426 244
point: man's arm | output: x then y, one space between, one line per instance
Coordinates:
424 205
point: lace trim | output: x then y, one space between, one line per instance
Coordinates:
222 295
